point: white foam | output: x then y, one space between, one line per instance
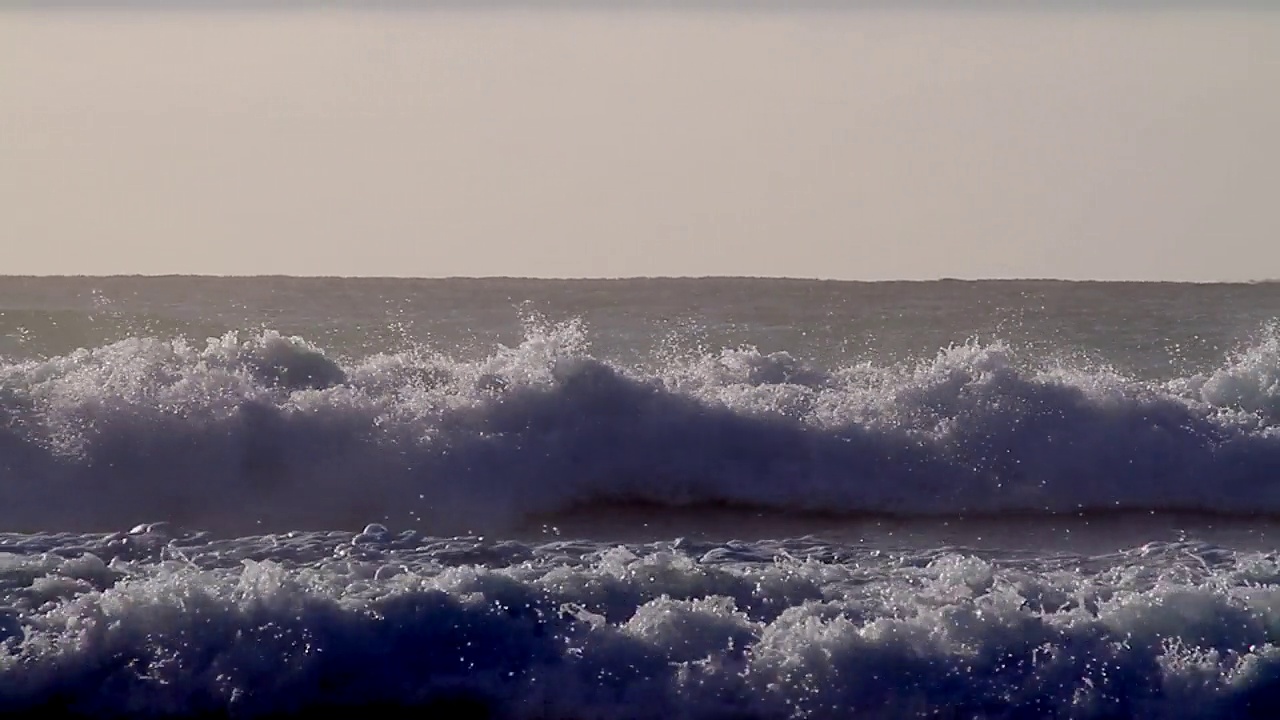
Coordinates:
262 432
559 630
1251 381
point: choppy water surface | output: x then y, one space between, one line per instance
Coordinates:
701 498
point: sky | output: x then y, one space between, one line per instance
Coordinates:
586 139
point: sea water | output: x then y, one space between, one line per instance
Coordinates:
703 498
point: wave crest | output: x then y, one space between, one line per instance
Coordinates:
266 432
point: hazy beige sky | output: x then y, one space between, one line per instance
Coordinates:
859 144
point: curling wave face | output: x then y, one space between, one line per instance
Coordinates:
267 433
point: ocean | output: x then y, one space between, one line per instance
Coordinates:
661 498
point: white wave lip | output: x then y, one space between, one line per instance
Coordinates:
267 432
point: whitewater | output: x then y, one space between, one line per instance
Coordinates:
703 498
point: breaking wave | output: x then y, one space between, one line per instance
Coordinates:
399 626
263 432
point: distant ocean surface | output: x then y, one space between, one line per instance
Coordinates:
702 498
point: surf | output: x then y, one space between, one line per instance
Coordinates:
265 432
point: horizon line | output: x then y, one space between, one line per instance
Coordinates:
626 278
766 6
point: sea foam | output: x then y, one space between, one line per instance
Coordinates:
302 623
262 432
